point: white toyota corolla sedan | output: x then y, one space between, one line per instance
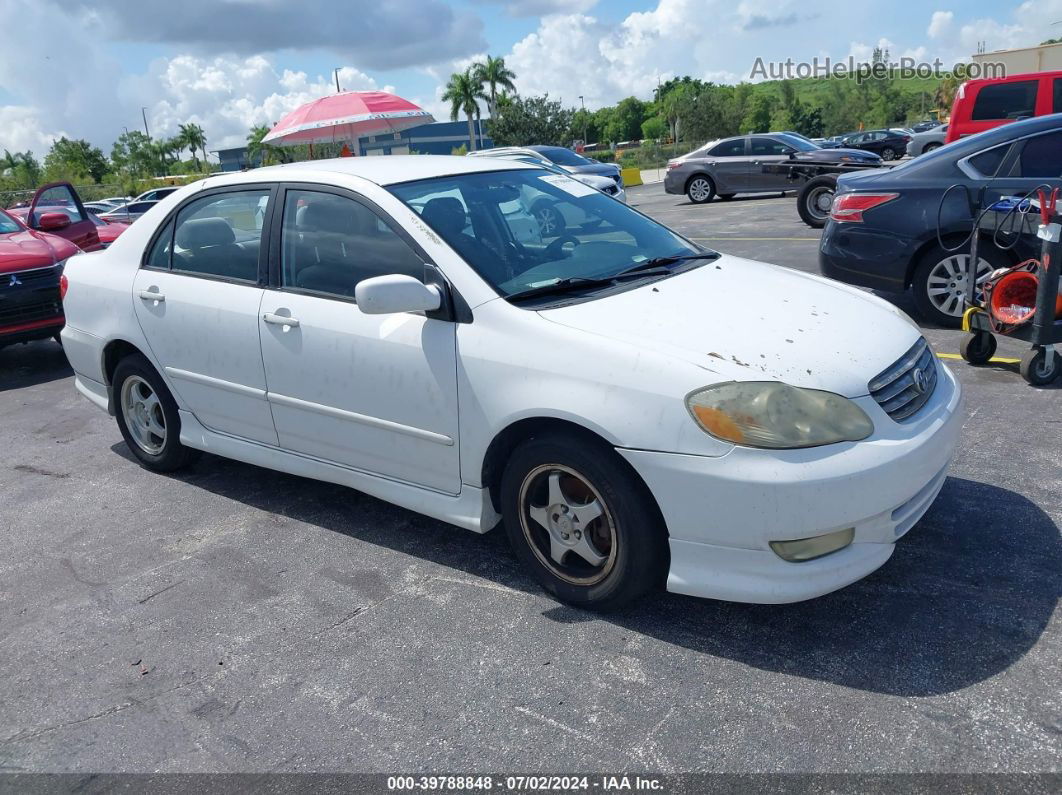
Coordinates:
637 410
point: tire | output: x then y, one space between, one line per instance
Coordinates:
727 196
1037 369
551 221
552 477
977 348
931 147
888 153
937 265
142 404
700 189
811 198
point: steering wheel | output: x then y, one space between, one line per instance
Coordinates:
555 249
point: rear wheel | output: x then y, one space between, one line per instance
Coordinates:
930 147
550 220
888 153
939 282
580 519
700 189
147 416
815 201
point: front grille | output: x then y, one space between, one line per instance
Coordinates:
29 312
31 278
903 388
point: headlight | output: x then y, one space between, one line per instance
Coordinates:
777 416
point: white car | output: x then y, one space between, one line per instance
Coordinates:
636 410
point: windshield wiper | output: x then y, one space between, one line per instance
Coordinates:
561 286
661 262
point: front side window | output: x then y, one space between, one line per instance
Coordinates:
329 243
57 199
769 146
735 148
218 235
527 228
1005 100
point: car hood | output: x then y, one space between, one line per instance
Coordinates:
603 169
835 154
750 321
20 251
594 180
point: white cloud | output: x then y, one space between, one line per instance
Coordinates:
939 24
21 129
541 8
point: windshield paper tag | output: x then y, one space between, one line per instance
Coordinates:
569 185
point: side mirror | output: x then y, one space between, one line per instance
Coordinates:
50 222
385 295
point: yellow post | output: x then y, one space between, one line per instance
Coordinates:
631 177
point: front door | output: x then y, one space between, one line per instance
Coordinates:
376 393
60 197
763 151
197 299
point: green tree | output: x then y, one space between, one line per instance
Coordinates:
654 128
20 170
626 121
258 152
493 74
531 120
463 92
194 139
77 159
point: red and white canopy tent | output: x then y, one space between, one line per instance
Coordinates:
345 117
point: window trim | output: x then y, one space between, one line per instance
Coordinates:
263 253
275 279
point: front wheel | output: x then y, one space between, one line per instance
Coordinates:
147 416
815 201
888 154
700 189
583 522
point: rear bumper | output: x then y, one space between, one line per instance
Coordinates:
674 183
866 257
722 513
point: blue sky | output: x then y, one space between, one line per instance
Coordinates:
84 68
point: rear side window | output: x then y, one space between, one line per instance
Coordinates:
1041 158
1005 100
987 163
220 235
729 149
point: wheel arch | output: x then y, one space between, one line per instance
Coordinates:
706 175
113 352
501 446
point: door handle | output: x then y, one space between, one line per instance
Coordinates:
147 295
280 320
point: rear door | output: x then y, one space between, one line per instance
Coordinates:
730 165
62 198
197 297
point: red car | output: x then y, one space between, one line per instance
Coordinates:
983 104
31 264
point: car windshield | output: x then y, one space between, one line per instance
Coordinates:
8 225
566 157
526 229
800 144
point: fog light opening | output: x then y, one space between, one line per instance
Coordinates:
800 550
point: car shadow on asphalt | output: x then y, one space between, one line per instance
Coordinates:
968 591
34 363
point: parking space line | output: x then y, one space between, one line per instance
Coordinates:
994 360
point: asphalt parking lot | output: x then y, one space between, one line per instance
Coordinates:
235 619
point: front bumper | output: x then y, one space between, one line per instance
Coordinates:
721 513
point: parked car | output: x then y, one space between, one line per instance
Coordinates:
822 143
31 264
981 105
927 141
889 144
926 126
106 232
570 161
128 213
379 326
56 208
731 166
883 230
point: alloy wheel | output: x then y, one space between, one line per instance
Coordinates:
143 415
700 190
567 524
548 223
946 284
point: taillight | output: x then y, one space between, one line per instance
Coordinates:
850 207
63 285
672 164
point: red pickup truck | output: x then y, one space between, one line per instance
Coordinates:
983 104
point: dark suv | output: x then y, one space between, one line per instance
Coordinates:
883 231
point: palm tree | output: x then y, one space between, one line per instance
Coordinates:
193 137
256 150
463 92
494 75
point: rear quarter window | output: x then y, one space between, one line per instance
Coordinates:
997 101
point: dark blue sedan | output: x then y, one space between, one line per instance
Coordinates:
883 229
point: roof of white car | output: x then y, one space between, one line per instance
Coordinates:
386 170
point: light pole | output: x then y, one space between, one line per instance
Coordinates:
335 73
143 113
581 102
